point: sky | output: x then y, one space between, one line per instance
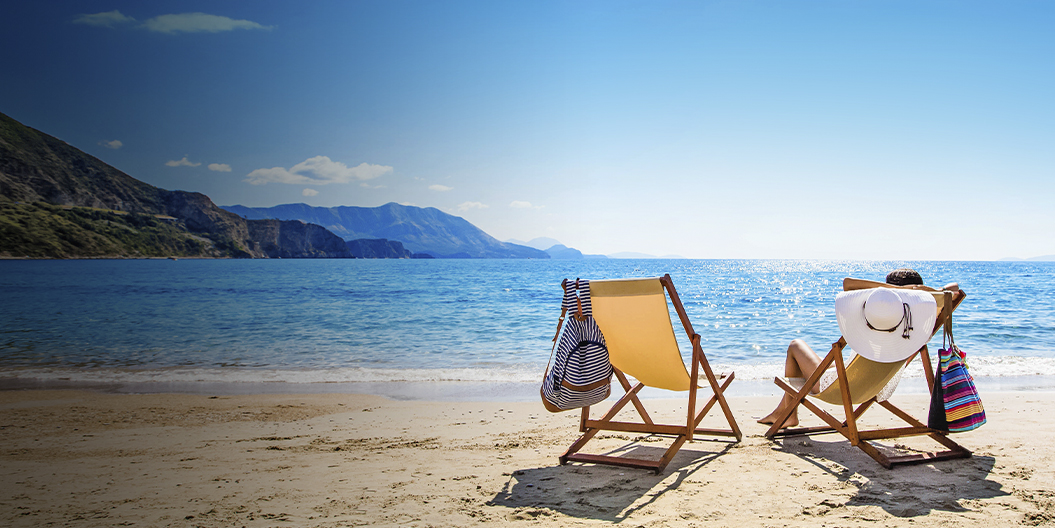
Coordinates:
892 130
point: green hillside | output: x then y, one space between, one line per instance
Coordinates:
41 230
59 202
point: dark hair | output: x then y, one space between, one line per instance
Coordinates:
904 277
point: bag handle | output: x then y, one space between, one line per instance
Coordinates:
578 300
560 323
950 346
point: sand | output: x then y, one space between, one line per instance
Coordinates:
72 458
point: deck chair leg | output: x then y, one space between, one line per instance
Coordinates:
633 398
707 408
592 427
871 451
589 432
671 451
953 446
719 395
955 449
575 447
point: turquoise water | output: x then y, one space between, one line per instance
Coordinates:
458 320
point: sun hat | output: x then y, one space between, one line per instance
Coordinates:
886 324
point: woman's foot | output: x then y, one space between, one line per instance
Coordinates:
771 418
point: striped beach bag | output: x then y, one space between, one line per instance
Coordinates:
954 406
579 373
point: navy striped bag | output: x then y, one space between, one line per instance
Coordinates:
581 374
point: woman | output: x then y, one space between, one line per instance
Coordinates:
802 361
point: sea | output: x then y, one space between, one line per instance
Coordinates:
454 329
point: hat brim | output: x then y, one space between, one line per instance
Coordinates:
885 347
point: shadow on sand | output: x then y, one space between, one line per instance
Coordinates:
599 492
905 491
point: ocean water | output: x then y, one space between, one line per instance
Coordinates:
490 321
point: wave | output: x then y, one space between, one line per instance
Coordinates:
980 367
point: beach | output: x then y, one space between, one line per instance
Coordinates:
84 458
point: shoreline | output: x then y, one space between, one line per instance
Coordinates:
456 391
102 459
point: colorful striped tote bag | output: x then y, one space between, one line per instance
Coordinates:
963 407
955 406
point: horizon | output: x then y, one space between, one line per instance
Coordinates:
752 130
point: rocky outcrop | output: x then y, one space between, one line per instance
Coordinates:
293 239
377 248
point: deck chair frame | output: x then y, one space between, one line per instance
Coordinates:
681 433
848 427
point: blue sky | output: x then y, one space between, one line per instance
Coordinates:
812 129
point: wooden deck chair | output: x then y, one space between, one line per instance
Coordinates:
635 320
860 382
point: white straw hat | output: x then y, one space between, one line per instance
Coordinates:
886 324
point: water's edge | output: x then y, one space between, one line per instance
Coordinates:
465 390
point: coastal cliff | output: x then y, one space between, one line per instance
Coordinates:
102 211
378 248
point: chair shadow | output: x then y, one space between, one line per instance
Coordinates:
601 492
904 491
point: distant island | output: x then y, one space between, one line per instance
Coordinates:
1043 258
555 249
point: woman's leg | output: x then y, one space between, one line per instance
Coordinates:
801 362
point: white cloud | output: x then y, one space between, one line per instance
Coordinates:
368 186
182 163
198 23
115 144
319 170
309 192
220 167
465 206
441 188
108 19
517 204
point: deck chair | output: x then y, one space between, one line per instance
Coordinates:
635 320
859 383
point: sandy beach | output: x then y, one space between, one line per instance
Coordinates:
76 458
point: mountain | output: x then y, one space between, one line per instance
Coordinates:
103 212
542 243
555 249
560 251
421 230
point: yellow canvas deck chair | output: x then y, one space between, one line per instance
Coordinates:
859 383
635 320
